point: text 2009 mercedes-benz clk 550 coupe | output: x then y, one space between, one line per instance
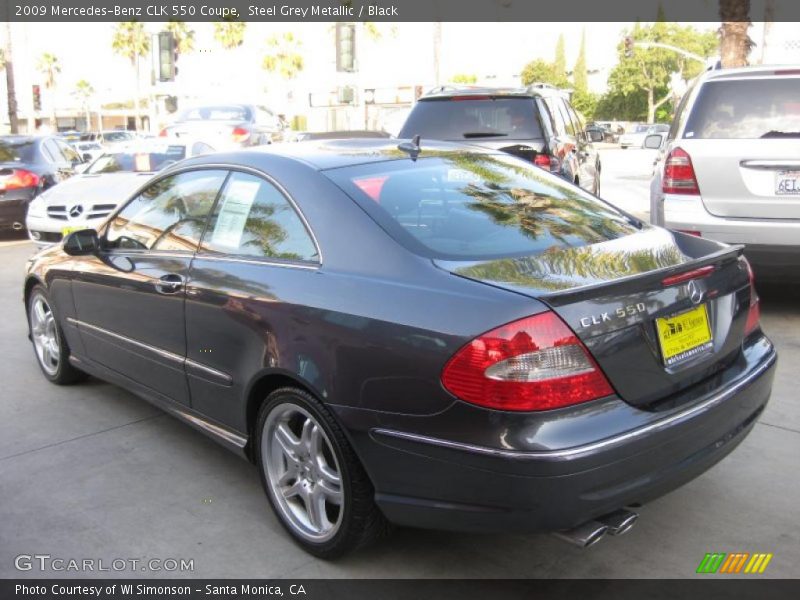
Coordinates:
417 333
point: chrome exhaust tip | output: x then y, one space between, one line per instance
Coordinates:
585 535
619 522
17 226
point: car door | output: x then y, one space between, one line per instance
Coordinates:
247 294
129 299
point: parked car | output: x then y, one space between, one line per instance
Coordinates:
730 167
537 124
28 166
88 150
635 139
229 126
510 353
109 138
86 200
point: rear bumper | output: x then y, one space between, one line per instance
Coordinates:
543 478
13 211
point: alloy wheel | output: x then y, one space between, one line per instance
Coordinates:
302 472
45 335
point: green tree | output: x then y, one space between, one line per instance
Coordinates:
83 92
580 74
560 62
50 68
283 56
647 71
132 41
229 34
465 78
541 71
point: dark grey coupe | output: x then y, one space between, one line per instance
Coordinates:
414 333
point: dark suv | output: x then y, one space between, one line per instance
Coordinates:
536 123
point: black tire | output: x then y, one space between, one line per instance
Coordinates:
361 522
62 373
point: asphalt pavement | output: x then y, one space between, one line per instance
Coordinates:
92 472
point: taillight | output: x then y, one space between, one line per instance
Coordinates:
239 134
20 178
754 312
536 363
163 132
679 177
545 161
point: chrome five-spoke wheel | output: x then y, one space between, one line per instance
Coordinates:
302 472
45 335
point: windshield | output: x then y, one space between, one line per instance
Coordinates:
145 160
514 118
17 150
216 113
117 136
478 206
746 109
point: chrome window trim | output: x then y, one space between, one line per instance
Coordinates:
257 261
578 451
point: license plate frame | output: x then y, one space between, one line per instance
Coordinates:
782 179
684 335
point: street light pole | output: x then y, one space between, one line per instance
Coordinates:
675 49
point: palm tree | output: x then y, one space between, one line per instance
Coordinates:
283 56
49 67
734 44
132 41
229 34
8 65
84 91
184 37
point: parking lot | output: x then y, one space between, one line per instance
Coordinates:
92 472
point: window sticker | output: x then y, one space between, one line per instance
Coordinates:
142 162
239 198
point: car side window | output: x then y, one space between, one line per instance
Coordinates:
558 117
169 215
69 153
253 218
579 126
562 107
52 152
679 114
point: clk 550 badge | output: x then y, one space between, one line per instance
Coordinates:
620 313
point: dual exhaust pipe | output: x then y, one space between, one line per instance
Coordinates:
17 226
591 532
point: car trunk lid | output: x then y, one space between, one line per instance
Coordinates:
617 294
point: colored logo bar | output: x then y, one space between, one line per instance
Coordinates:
735 562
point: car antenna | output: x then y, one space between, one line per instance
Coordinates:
411 147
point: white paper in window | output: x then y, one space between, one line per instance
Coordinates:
239 198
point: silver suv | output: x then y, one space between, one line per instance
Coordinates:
729 168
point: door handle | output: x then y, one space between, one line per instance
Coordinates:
169 284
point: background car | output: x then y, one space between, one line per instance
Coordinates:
536 123
635 139
435 336
29 165
730 167
87 199
88 150
109 138
228 126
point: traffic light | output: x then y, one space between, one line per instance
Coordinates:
37 98
628 46
346 47
167 56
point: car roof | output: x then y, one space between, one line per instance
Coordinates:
754 71
532 91
333 154
21 139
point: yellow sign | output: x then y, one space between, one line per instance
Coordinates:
685 335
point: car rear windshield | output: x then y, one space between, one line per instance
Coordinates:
746 109
478 206
216 113
144 161
460 119
17 151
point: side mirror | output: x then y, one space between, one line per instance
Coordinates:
82 243
653 141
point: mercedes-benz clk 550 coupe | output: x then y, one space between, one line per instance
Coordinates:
412 333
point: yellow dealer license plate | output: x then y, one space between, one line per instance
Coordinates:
685 335
65 231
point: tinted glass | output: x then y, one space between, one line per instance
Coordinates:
474 119
216 113
117 136
169 215
17 150
474 207
253 218
146 160
69 153
746 109
557 117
